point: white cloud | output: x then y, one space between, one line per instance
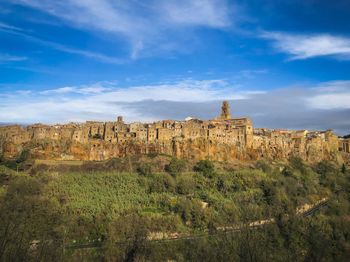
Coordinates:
144 25
186 90
330 101
24 92
104 100
95 89
211 13
303 46
321 106
61 90
334 95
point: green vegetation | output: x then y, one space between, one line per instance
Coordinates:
176 166
206 167
119 205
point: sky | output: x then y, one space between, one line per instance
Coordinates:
284 64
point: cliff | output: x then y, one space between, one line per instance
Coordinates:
221 139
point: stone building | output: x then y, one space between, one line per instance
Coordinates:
344 144
223 138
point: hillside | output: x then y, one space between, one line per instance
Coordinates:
122 202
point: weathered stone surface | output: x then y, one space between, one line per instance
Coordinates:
222 139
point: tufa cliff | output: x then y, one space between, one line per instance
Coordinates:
222 139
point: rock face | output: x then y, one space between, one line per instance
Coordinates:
222 139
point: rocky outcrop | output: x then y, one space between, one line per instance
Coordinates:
309 149
221 139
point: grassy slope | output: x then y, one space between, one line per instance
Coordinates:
112 193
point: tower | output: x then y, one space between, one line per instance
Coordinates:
225 111
120 119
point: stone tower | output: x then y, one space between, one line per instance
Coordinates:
120 119
225 111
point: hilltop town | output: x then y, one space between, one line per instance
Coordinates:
223 138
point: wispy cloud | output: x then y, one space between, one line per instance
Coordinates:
5 26
57 46
321 106
24 92
251 73
144 25
11 58
185 90
304 46
210 13
77 90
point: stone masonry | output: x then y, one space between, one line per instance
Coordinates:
223 138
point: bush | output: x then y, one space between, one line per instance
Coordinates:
162 183
298 164
186 184
176 166
145 169
343 169
264 166
23 156
287 172
206 167
191 212
325 167
4 178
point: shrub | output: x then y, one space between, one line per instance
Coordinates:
206 167
343 169
191 212
176 166
144 169
298 164
325 167
185 184
264 166
287 172
162 183
4 178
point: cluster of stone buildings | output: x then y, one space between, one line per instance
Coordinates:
236 133
224 129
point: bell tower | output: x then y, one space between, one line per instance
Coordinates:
225 111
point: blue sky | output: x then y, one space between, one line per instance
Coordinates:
283 63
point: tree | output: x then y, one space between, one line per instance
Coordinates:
126 238
206 167
31 227
176 166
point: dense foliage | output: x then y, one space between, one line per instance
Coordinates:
119 208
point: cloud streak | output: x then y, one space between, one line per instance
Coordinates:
304 46
145 26
60 47
11 58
